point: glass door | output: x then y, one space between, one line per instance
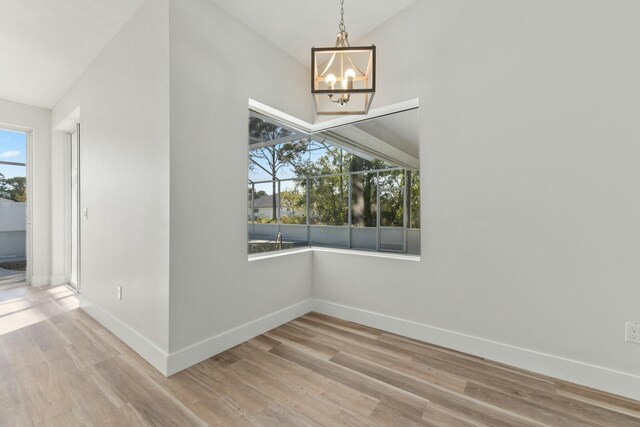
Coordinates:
13 208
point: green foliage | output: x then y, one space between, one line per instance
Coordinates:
256 195
414 200
260 129
274 157
294 203
391 209
13 188
363 200
293 199
271 159
328 195
328 200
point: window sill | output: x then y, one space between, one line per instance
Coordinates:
391 255
404 257
275 254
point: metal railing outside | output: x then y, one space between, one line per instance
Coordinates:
405 230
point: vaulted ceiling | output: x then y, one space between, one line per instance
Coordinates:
297 25
45 45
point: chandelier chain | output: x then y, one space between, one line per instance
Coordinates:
341 26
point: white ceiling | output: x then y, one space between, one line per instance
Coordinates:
296 26
45 45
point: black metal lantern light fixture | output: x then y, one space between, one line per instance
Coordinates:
343 78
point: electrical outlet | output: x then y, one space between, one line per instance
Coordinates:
119 295
632 332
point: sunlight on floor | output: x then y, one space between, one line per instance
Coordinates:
59 290
18 310
13 305
19 319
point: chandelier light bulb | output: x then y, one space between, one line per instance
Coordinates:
350 74
330 80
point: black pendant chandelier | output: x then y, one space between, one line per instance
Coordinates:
343 78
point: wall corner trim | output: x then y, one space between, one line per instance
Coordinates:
58 280
195 353
598 377
134 339
39 281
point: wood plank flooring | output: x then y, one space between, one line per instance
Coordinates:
59 367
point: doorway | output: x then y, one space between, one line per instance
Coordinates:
74 214
14 221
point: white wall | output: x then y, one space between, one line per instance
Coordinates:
531 163
38 121
217 64
124 113
126 126
13 226
528 153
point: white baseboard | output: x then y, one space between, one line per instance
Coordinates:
169 364
57 280
598 377
39 280
138 342
193 354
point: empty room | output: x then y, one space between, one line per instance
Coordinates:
320 213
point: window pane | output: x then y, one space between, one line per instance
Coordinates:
261 131
328 201
414 198
293 202
269 160
319 158
392 179
391 208
264 202
356 164
363 200
331 179
259 168
249 204
283 161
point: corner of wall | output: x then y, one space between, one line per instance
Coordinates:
202 350
151 352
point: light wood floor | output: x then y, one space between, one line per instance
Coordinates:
58 367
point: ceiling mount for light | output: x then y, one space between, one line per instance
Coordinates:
343 78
